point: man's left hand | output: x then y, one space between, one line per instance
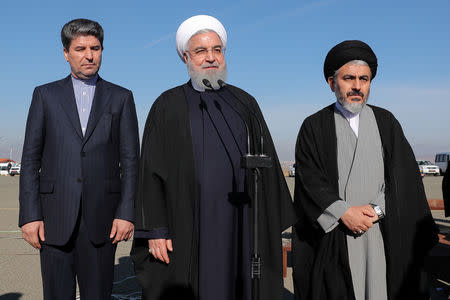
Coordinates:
121 230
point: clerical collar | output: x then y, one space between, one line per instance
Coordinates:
89 81
347 114
196 87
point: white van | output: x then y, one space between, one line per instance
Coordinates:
441 160
4 168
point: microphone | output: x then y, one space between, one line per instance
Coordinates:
222 84
207 83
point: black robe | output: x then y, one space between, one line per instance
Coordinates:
446 191
168 196
320 260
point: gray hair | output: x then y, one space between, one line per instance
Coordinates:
79 27
355 62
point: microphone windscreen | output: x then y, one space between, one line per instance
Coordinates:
221 83
207 83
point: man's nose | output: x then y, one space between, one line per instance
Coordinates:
357 85
210 56
88 54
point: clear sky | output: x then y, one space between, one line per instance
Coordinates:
275 52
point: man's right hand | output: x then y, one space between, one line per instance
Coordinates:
358 218
32 232
158 248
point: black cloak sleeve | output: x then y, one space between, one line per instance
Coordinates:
316 185
152 174
409 231
277 198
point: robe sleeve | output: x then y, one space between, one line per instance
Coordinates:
330 217
276 189
380 199
314 190
151 207
157 233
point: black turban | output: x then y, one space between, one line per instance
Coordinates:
347 51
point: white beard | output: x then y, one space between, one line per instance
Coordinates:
213 75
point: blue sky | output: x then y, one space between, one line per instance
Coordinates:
275 52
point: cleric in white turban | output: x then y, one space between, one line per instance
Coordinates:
192 238
195 24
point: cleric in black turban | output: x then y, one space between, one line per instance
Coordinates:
354 157
347 51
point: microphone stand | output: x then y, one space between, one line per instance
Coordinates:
254 163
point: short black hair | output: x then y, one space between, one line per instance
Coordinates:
78 27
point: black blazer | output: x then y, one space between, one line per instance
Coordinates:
62 170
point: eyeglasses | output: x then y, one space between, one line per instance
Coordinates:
203 52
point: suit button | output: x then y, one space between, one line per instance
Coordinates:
79 179
83 154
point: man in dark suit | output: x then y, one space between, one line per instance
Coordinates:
79 163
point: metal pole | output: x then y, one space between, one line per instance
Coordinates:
256 259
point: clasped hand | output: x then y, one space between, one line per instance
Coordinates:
358 218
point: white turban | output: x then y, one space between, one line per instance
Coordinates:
194 24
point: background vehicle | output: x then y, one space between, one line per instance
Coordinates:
427 168
14 171
4 168
441 160
291 171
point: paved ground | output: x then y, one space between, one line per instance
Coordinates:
19 262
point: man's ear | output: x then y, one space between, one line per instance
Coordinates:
185 57
331 82
66 54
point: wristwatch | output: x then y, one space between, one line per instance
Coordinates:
378 211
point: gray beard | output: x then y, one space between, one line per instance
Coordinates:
212 75
353 107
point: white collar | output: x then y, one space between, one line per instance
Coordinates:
196 87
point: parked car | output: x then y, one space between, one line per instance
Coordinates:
14 171
441 160
4 168
291 171
427 168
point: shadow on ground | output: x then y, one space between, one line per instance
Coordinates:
11 296
125 285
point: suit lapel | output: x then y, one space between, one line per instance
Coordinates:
101 97
69 105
